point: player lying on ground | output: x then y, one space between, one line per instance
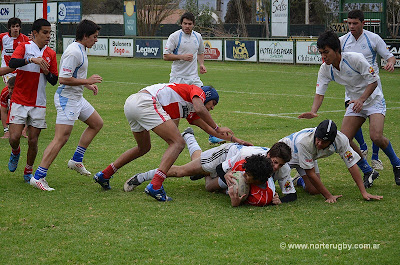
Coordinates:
219 160
159 108
310 144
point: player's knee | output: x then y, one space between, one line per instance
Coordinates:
98 125
143 149
180 143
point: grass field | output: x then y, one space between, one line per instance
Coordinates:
79 223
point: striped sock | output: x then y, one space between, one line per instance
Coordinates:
158 179
109 171
28 169
41 172
79 153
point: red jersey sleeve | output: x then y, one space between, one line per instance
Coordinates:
53 64
197 91
19 52
4 97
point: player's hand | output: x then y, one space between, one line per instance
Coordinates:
357 105
94 88
333 199
224 131
203 69
308 115
234 195
94 79
187 57
44 65
389 67
6 135
276 200
368 196
229 178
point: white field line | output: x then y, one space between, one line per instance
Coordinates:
284 115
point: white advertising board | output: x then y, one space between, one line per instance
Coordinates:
100 48
307 52
6 12
51 11
121 47
213 50
275 51
25 12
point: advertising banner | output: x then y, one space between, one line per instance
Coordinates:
66 42
121 47
275 51
51 11
53 37
307 53
25 12
100 48
395 49
130 18
69 12
237 50
148 48
6 12
279 18
213 50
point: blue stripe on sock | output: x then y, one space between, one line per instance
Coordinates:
79 153
41 172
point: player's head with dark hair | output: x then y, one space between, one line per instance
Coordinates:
211 94
86 28
13 21
11 83
188 16
281 150
356 14
329 39
259 167
39 23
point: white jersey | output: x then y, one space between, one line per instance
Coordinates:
73 63
304 152
239 153
369 44
182 43
355 74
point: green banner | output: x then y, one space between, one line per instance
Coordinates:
130 18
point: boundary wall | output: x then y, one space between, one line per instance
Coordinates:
291 51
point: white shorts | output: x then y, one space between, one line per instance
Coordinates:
190 81
301 171
376 106
211 158
7 77
144 112
69 110
31 116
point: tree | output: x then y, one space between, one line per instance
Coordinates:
150 13
393 17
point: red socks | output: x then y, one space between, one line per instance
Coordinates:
28 169
17 151
158 179
109 171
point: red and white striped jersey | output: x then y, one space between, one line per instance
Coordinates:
4 98
30 83
260 195
8 45
176 99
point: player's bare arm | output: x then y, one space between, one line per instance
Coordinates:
233 194
390 64
72 81
200 59
358 103
6 70
318 99
276 200
175 57
355 174
316 181
205 115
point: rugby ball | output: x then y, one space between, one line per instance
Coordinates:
240 185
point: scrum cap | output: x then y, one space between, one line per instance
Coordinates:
211 93
326 131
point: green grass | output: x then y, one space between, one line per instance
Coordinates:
78 223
